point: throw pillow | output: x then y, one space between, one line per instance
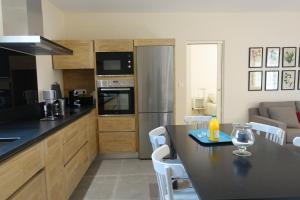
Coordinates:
298 116
286 115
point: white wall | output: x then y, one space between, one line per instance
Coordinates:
53 29
239 31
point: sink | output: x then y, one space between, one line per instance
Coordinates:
7 140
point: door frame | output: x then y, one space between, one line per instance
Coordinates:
220 84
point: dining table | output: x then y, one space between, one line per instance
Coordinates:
271 172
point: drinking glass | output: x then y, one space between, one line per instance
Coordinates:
242 137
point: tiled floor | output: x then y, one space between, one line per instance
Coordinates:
127 179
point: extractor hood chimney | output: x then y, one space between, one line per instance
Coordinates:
23 29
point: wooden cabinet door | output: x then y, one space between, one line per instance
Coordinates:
54 165
34 189
113 45
75 169
19 169
110 123
92 135
117 142
82 58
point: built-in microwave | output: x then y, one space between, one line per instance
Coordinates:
114 63
115 97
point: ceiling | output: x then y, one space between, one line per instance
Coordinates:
177 5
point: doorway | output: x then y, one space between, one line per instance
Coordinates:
205 78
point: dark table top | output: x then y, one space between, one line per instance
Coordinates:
272 172
33 131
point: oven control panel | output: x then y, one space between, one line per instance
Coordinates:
114 83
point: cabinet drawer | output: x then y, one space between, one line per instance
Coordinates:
75 169
19 169
34 189
113 45
82 58
74 128
92 136
117 142
74 144
108 124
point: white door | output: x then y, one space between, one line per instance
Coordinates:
205 78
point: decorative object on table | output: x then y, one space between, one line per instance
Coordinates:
271 80
289 56
255 57
255 80
200 135
214 128
288 79
272 57
242 137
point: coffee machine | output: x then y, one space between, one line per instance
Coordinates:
52 110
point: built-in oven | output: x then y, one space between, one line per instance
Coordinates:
114 63
115 97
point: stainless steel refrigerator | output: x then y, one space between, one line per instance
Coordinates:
155 92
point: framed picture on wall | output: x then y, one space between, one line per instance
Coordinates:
272 57
288 78
271 80
289 56
298 80
256 57
255 80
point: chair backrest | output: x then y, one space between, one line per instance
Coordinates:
273 133
157 137
296 141
166 171
200 120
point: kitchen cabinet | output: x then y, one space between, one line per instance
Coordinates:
92 135
82 58
117 134
54 162
34 189
118 123
117 142
17 170
75 169
118 45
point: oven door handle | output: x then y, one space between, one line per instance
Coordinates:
115 89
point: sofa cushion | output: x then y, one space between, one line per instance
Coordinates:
286 115
297 103
264 106
291 133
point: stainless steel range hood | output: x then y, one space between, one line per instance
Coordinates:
23 29
33 45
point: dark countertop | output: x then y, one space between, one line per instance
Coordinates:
33 131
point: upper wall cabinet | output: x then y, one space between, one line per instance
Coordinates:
113 45
82 58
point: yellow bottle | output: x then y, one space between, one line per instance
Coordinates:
213 129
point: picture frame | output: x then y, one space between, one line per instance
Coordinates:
298 80
272 57
271 80
289 57
288 78
255 79
256 57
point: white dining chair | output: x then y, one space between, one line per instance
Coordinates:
165 172
272 133
296 141
201 121
157 137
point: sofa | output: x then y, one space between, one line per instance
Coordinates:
280 114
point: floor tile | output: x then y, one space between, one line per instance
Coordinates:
95 188
134 187
135 166
105 167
